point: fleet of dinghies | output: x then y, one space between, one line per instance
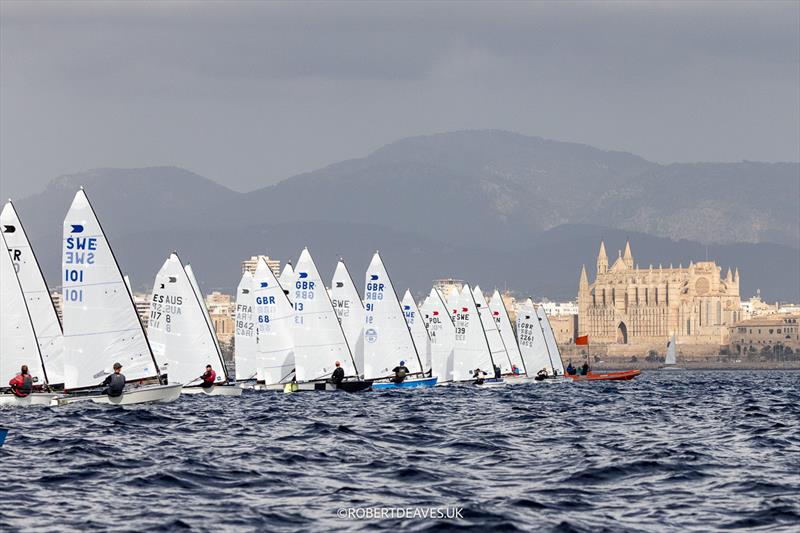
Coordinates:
291 332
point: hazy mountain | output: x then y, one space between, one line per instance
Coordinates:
489 206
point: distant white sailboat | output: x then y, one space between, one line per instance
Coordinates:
101 325
44 317
274 319
387 339
350 310
532 343
319 341
442 332
557 363
287 278
245 341
500 314
472 351
180 336
671 360
419 331
497 347
18 344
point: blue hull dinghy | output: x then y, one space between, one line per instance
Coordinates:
407 384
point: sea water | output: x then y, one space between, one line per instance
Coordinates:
668 451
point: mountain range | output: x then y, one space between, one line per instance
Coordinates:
494 207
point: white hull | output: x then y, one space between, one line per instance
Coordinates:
671 368
37 398
147 394
518 380
273 387
216 390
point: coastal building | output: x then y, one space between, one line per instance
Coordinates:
445 285
221 309
642 307
564 327
142 303
56 297
249 265
755 306
766 335
559 308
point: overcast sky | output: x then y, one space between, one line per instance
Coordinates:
250 93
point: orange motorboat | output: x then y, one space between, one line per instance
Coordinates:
623 375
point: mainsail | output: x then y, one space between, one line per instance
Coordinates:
245 330
419 332
42 311
471 347
273 315
387 340
101 325
202 303
496 345
442 332
550 339
350 310
318 337
671 358
531 340
500 315
179 334
286 279
18 345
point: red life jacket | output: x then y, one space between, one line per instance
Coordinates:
21 385
210 376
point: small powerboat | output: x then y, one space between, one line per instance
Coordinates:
623 375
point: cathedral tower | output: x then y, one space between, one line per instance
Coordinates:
602 260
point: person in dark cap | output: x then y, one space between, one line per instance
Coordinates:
115 383
400 372
338 374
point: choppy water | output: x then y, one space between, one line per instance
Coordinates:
668 451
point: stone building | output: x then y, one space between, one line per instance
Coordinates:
777 330
628 305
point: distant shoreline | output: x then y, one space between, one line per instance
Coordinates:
698 365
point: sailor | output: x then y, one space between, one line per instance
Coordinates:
115 383
338 374
585 369
498 373
478 376
541 374
208 378
400 372
515 370
22 383
571 369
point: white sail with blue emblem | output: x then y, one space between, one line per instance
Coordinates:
18 345
219 367
419 331
101 325
42 311
496 345
530 336
350 310
244 330
179 334
442 333
318 337
550 338
501 318
387 339
273 315
471 347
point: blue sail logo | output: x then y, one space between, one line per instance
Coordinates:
303 275
373 277
76 228
263 284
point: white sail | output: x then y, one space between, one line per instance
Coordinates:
671 358
219 367
101 326
496 345
550 339
500 315
18 345
318 337
531 340
245 330
442 333
387 340
42 311
471 347
179 334
350 310
274 318
286 279
419 331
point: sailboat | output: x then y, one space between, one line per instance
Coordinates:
350 310
442 332
101 325
419 332
245 341
273 315
181 337
537 356
319 341
472 354
286 279
497 347
556 361
44 317
387 339
519 371
671 360
18 344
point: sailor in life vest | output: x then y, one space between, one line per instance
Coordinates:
115 383
21 384
208 378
